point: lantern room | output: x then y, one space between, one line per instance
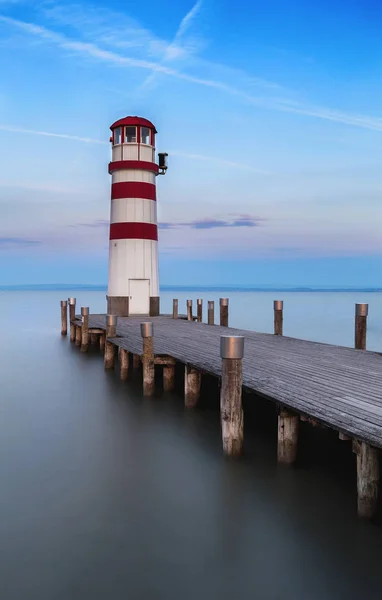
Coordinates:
133 138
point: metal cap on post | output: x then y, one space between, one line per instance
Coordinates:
211 305
278 305
72 301
84 311
199 301
232 346
111 320
147 330
64 303
189 303
223 301
361 310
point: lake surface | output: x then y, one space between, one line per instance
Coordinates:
105 494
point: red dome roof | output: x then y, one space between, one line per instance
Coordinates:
133 121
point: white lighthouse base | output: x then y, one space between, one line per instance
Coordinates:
133 277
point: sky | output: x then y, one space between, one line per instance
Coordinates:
270 113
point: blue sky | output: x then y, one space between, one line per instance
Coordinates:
270 112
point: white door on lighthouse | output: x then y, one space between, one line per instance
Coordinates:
139 302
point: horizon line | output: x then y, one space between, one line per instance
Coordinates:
217 287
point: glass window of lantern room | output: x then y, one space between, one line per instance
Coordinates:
118 135
145 135
130 135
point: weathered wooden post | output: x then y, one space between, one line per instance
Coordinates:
175 308
169 377
199 310
224 312
64 317
211 312
78 335
154 306
93 337
189 310
124 363
147 333
361 312
367 480
72 315
231 410
192 384
111 331
278 306
84 328
287 436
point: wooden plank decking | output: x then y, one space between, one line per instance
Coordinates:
339 387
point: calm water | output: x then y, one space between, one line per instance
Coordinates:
105 494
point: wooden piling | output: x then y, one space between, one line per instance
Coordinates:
147 333
64 317
93 339
287 438
72 315
124 364
168 378
85 328
189 310
278 306
199 310
111 331
367 480
192 384
231 410
361 312
175 308
223 312
211 312
78 335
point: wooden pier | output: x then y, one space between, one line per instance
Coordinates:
330 386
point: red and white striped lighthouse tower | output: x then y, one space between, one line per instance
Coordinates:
133 252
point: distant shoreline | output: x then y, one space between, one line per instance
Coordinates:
193 288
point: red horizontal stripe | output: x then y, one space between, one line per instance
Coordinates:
133 189
133 164
133 231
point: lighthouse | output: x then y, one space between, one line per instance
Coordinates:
133 286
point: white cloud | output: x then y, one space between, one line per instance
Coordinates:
174 49
37 187
92 50
110 28
66 136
